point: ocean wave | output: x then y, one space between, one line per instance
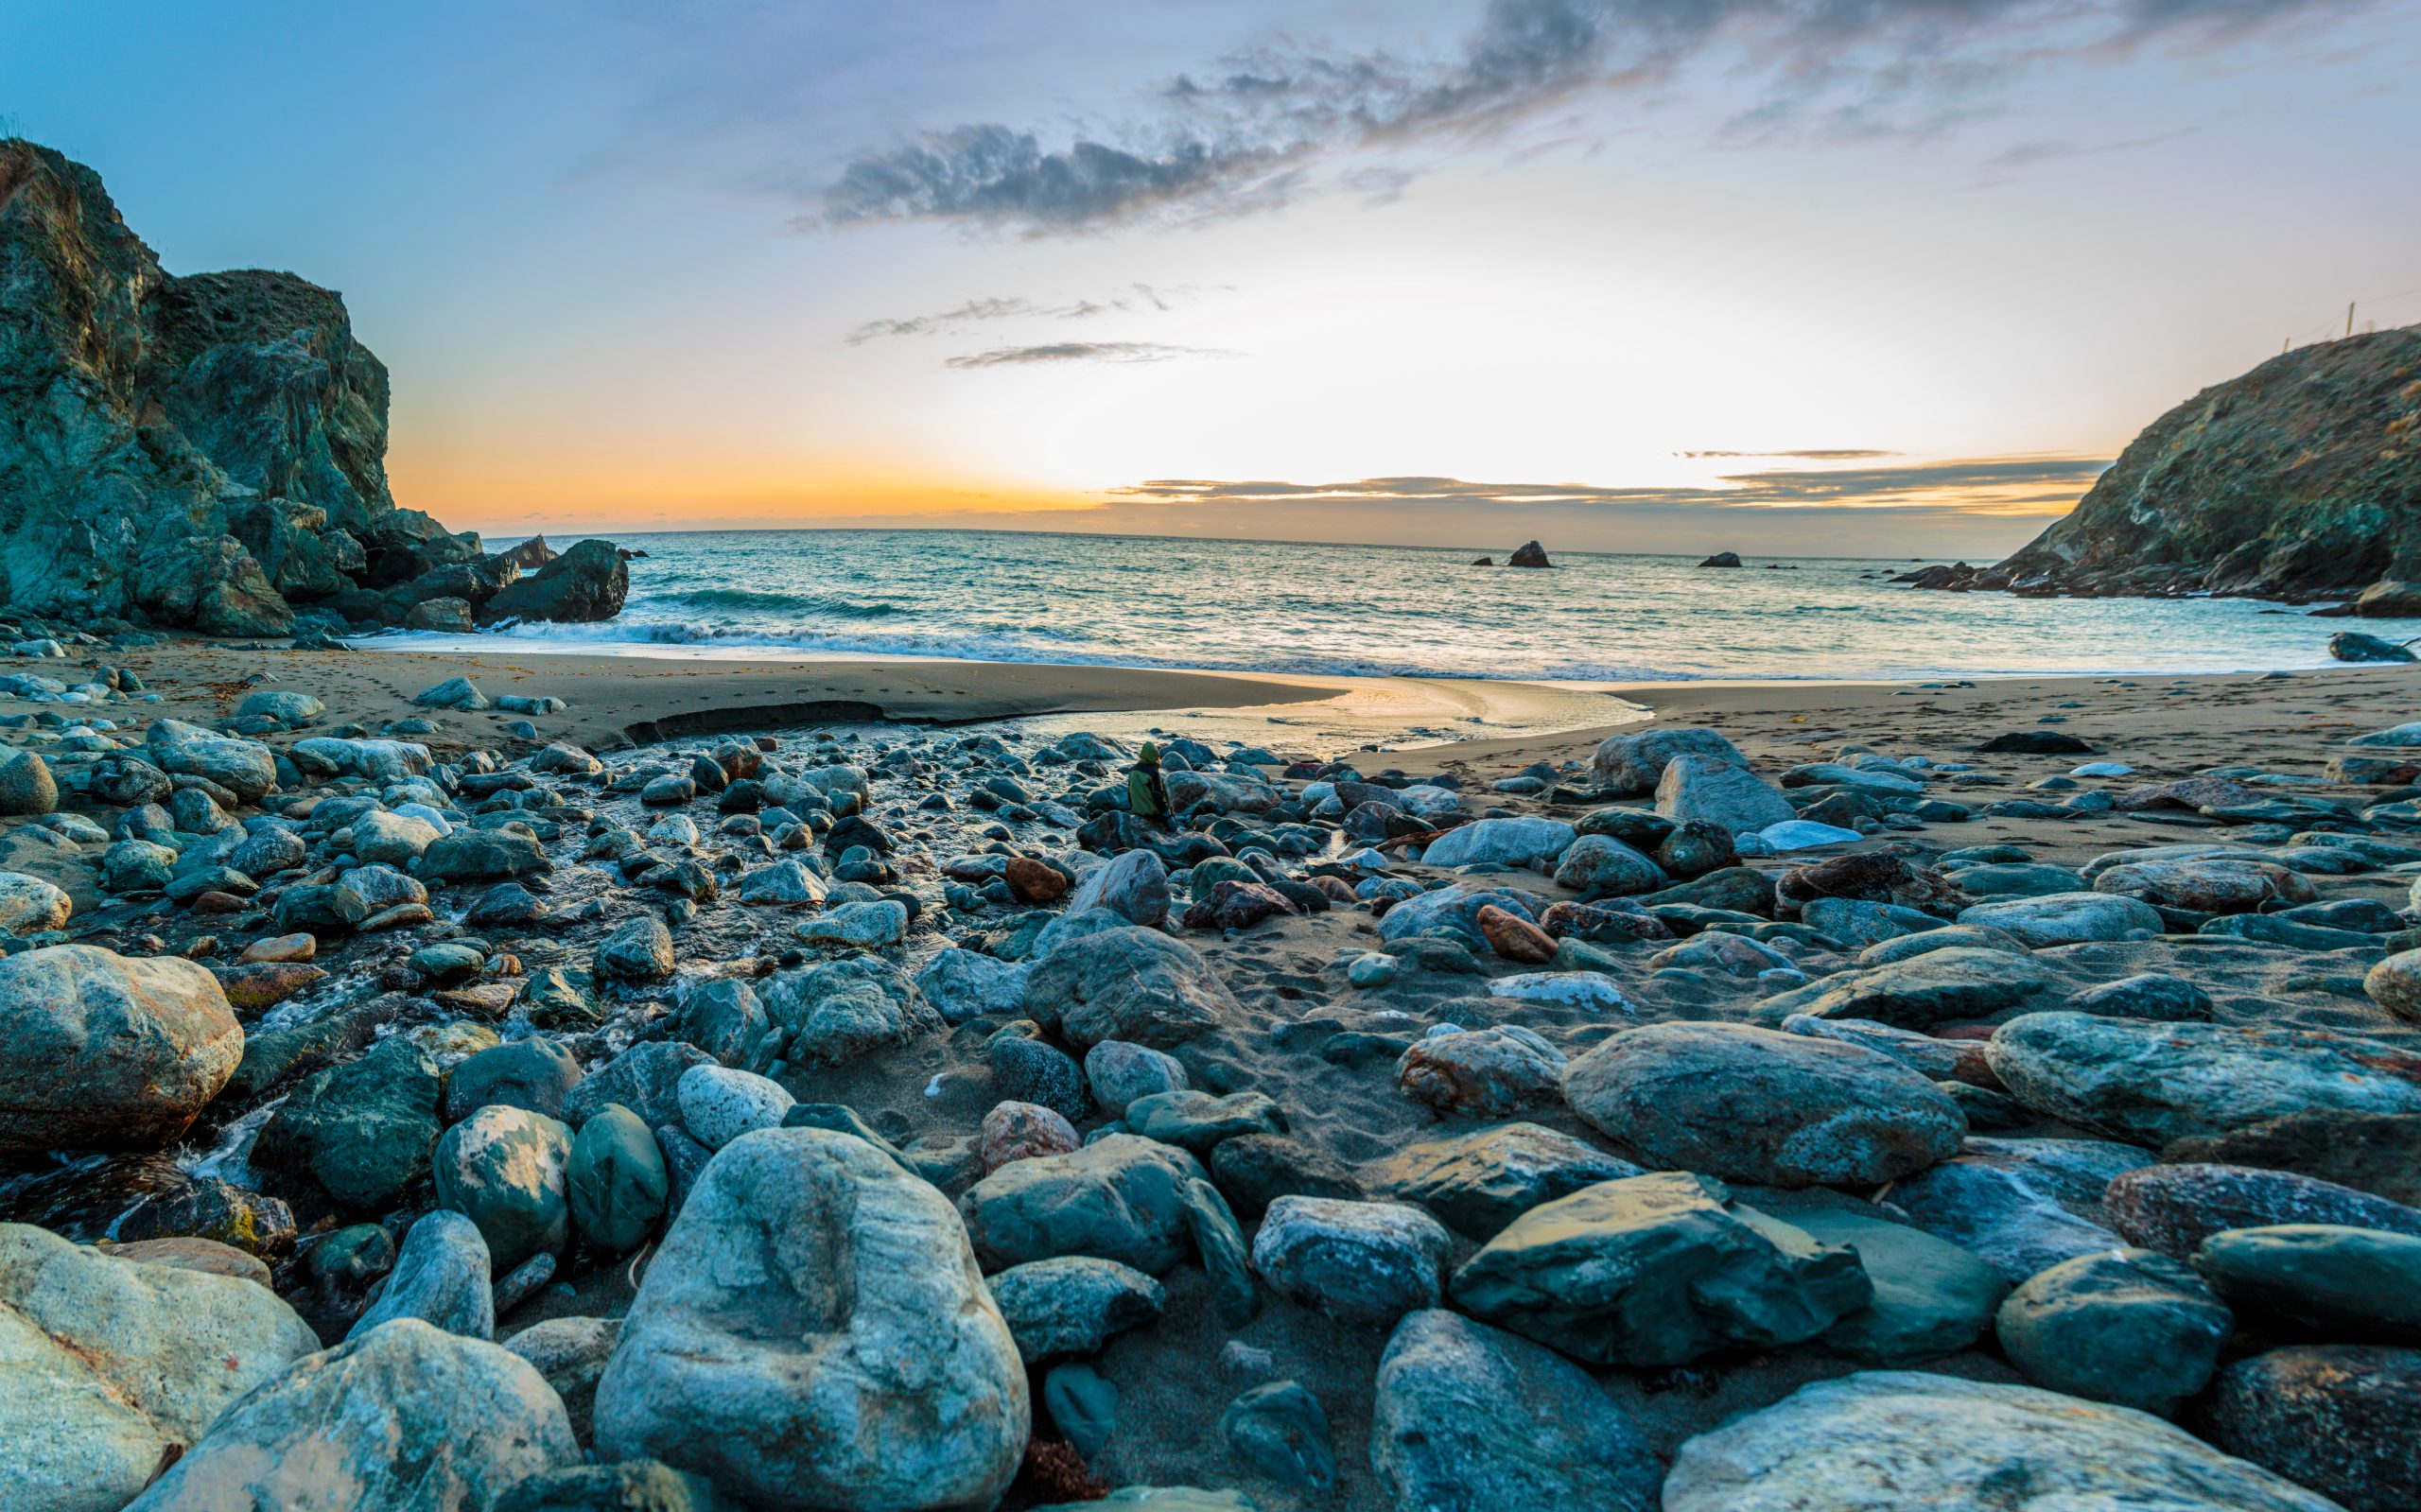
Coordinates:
760 600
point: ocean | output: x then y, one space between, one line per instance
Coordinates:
1385 611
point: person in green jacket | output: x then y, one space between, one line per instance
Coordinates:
1147 792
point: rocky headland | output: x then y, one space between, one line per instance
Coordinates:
2299 480
1855 1098
208 452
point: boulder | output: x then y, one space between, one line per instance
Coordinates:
1528 554
814 1335
1939 987
1720 791
442 1277
2068 918
1931 1297
2152 1083
401 1416
504 1169
1630 764
2346 1284
99 1051
1760 1105
1478 1183
2343 1419
2022 1205
615 1182
1504 842
115 1367
1127 983
2172 1208
1356 1261
2125 1326
586 582
363 1130
1073 1305
1489 1072
1119 1198
1905 1438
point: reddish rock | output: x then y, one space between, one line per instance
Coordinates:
265 985
1491 1073
1033 881
207 1255
1515 938
2174 1207
1020 1131
1612 921
1234 905
215 901
1871 876
486 999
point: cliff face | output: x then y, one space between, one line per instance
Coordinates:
2301 479
205 451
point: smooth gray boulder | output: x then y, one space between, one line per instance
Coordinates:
1630 764
442 1277
1133 885
1469 1418
814 1335
2129 1325
1505 842
1134 984
403 1418
1908 1439
1721 793
2068 918
1356 1261
1121 1198
504 1169
99 1051
110 1368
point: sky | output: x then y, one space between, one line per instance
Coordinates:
1892 277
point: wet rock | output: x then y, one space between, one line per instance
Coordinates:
1074 1305
586 582
115 1367
2155 1083
442 1277
1131 985
2127 1325
534 1074
503 1168
1905 1438
2172 1209
99 1051
478 855
1489 1072
325 1433
1871 876
1754 1104
1356 1261
641 951
364 1130
615 1181
1466 1417
1478 1183
860 926
2343 1419
1658 1270
1119 1198
814 1332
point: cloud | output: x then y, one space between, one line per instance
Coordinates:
1809 455
2003 166
1250 132
1010 357
1993 485
1132 299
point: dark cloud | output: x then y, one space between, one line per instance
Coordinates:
1133 299
2008 481
1010 357
1249 132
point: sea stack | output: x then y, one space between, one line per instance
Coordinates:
1530 555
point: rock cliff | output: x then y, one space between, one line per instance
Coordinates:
2299 480
203 452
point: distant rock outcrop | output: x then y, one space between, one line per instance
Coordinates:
206 452
1722 559
1531 555
2299 480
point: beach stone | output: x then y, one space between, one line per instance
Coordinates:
1356 1261
1757 1105
963 984
1630 764
2206 885
843 1008
2147 995
363 1130
1252 1170
719 1105
535 1073
2153 1083
570 1352
1871 876
633 1485
1598 867
1478 1183
1697 848
1119 1198
395 839
503 1167
2008 880
639 951
2172 1209
2395 984
860 926
453 693
1026 1068
2021 1205
205 1256
615 1181
724 1019
2068 918
442 1277
1513 937
28 905
2125 1326
1469 1418
1234 905
1198 1120
1281 1430
1023 1131
1854 924
325 1434
784 884
1721 793
1488 1073
1132 885
478 855
1504 842
1612 921
1930 1298
1658 1270
1939 987
1592 992
2348 1284
26 785
1907 1438
245 768
137 866
1084 1407
1074 1305
1452 911
99 1051
1935 1060
645 1078
2378 1152
2343 1420
1119 1073
814 1334
114 1366
1128 983
1219 1244
1717 950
